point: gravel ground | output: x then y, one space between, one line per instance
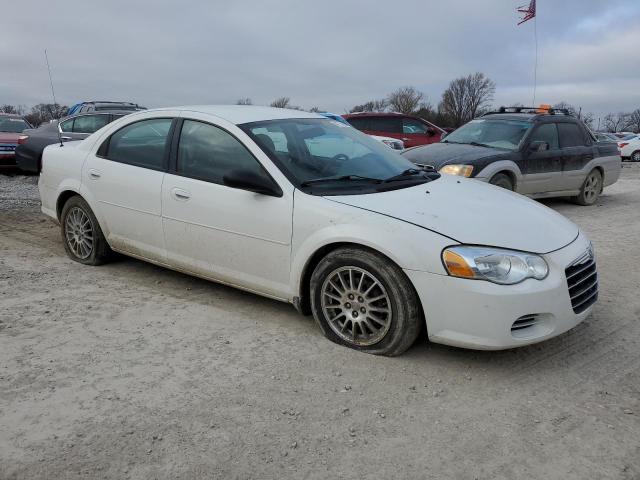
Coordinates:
132 371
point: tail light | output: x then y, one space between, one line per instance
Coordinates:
622 145
22 139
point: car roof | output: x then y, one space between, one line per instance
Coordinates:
239 114
377 114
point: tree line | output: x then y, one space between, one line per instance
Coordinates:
464 99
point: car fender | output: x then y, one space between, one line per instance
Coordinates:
319 223
500 166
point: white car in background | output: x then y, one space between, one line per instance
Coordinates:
630 147
374 247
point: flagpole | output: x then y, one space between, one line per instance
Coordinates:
535 67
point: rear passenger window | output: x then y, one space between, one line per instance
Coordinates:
89 123
385 124
413 126
208 153
571 135
359 123
546 133
142 143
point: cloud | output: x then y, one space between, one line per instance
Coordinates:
332 54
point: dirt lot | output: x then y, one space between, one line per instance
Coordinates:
133 371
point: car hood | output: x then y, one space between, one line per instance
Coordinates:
439 154
472 212
8 137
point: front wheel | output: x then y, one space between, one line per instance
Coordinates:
502 180
81 233
364 301
591 189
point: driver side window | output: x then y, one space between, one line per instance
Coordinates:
208 153
546 133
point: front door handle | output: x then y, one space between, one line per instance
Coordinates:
180 194
95 174
66 139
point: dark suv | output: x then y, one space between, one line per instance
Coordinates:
101 105
413 131
539 153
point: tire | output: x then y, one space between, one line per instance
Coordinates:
362 300
635 156
591 189
502 180
84 245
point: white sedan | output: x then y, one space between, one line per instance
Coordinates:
630 148
306 210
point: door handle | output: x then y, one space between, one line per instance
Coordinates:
406 139
64 139
180 194
95 174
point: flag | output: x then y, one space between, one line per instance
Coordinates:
529 12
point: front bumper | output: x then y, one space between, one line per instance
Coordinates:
7 159
480 315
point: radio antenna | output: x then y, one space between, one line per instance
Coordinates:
53 94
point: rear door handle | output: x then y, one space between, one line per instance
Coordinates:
180 194
94 173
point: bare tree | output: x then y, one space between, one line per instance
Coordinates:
244 101
633 121
10 109
282 102
314 109
371 106
467 97
614 122
43 112
405 100
587 118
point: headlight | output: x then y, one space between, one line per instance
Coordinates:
496 265
460 170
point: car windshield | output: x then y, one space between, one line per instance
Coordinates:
323 154
13 125
505 134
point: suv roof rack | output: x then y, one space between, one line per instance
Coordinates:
542 110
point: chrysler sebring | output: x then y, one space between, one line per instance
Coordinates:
306 210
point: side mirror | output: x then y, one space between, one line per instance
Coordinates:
538 146
251 181
431 132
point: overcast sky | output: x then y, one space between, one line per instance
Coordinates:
330 53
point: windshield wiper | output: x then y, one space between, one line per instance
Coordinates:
408 173
339 179
476 144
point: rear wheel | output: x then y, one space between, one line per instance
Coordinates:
364 301
635 156
81 233
502 180
591 189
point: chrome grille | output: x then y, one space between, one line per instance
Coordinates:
582 280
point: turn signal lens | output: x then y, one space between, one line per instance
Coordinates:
459 170
457 265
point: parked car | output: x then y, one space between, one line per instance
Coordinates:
98 105
369 244
393 143
630 148
75 127
537 154
11 127
413 131
606 137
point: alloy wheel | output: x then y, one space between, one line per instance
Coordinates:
356 306
79 233
636 156
592 188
